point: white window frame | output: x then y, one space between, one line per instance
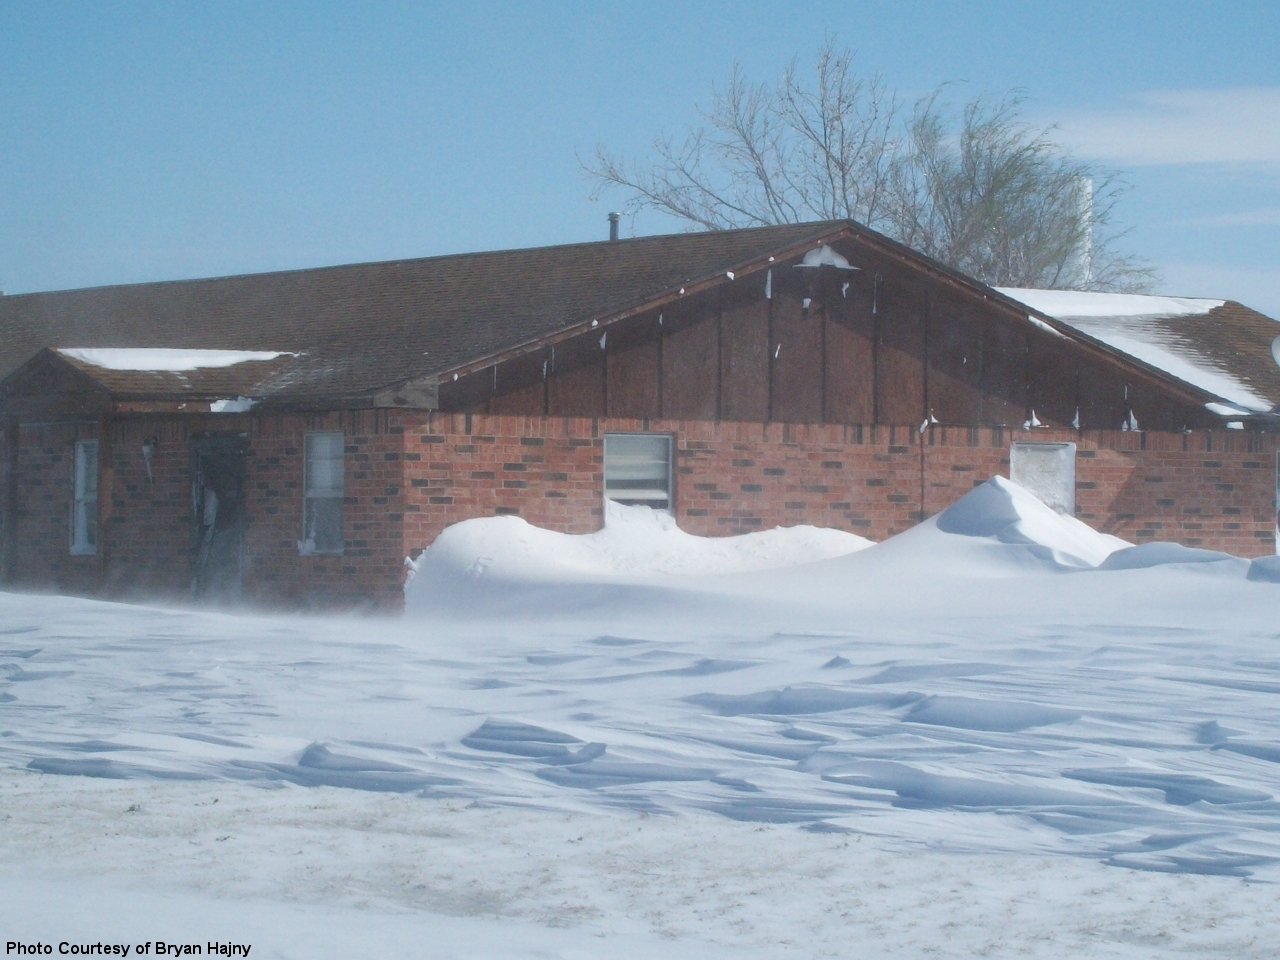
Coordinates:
643 497
307 546
84 498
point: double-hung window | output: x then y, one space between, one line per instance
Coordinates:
84 506
322 517
637 469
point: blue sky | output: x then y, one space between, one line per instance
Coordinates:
155 141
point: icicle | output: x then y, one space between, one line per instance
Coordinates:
924 424
875 294
844 290
455 376
659 319
1035 422
768 284
777 351
544 369
1075 421
807 301
682 291
495 376
1132 422
729 274
603 337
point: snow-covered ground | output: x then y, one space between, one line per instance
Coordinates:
999 733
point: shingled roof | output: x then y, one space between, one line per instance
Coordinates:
350 333
1219 346
363 327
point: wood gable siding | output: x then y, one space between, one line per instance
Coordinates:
886 344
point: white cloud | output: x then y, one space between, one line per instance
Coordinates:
1240 125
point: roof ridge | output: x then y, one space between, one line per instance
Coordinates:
820 226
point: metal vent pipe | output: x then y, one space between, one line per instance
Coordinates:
613 225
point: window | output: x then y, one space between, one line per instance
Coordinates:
322 519
1047 470
637 469
84 509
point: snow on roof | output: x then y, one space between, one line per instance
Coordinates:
1131 323
1062 304
157 358
824 256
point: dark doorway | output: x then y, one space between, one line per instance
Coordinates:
217 517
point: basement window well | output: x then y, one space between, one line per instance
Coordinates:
322 523
637 469
84 509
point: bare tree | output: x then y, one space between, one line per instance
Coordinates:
975 187
981 191
784 154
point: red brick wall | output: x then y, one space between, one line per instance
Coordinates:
42 515
370 569
1211 489
458 466
144 541
409 475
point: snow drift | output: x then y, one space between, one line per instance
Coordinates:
640 545
637 547
1000 523
1000 680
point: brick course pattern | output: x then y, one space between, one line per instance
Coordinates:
410 475
41 502
370 569
145 539
1213 489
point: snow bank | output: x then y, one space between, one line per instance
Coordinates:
995 526
986 683
1147 555
495 566
163 358
636 543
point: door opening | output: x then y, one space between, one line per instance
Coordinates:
217 517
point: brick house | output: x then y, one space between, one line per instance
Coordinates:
291 437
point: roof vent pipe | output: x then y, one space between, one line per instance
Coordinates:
613 225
